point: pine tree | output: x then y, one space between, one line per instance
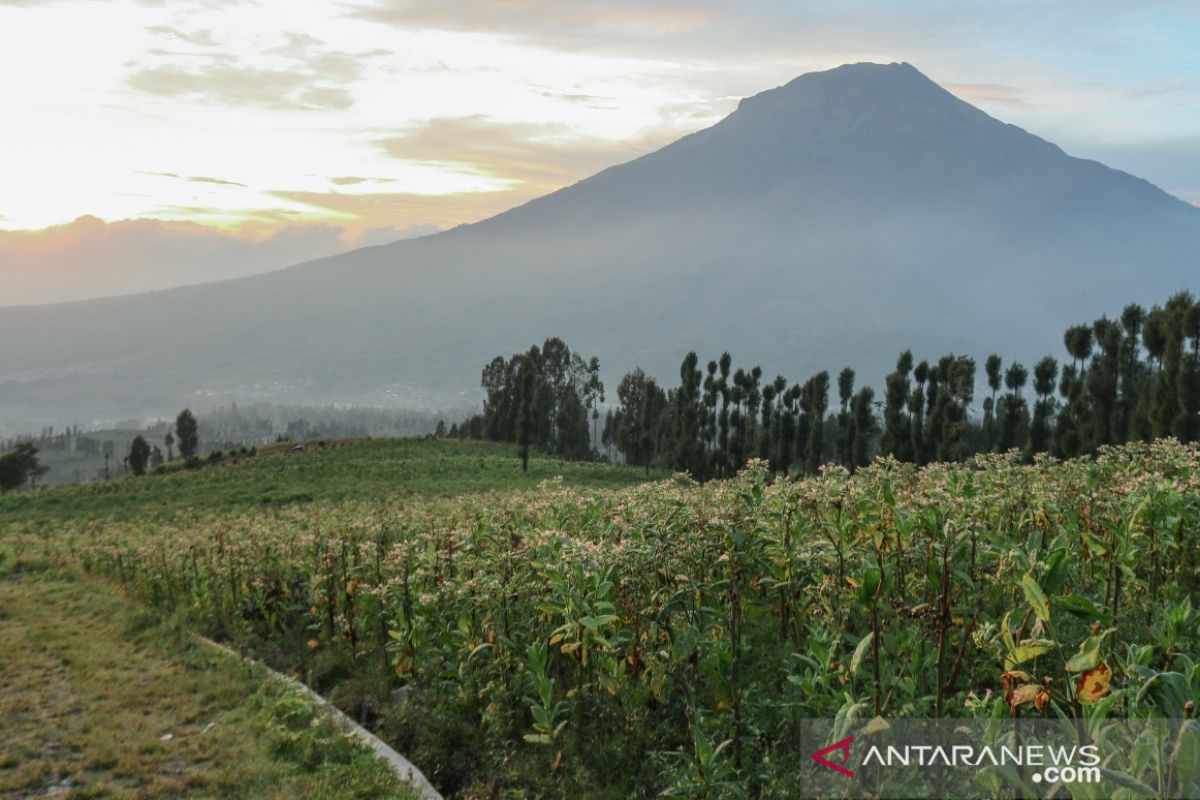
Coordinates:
818 401
993 368
897 440
1014 411
1045 373
845 418
526 428
864 426
689 453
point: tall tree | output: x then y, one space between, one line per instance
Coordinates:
1045 373
864 425
1130 424
845 418
527 381
916 410
992 367
689 445
897 441
1014 411
817 390
593 395
139 455
187 432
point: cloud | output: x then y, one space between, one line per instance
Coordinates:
579 23
200 38
381 209
90 257
313 76
250 86
196 179
543 155
997 93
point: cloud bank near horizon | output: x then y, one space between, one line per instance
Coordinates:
92 258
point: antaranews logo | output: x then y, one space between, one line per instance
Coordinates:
842 747
979 758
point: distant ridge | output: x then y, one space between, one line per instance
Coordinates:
831 221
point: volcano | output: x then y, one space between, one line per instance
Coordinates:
833 221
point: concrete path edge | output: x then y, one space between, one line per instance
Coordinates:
401 766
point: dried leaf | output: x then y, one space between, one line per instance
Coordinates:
1094 684
1026 693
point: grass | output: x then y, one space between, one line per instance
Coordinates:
98 700
330 471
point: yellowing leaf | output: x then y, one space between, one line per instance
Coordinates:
1094 684
1027 651
1087 657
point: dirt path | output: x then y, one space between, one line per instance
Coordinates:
97 701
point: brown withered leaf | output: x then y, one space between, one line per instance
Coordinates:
1042 701
1026 693
1094 684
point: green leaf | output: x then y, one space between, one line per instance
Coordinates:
1187 753
1027 651
1170 693
1056 572
1006 633
1035 597
1087 657
1079 606
1128 782
869 585
860 653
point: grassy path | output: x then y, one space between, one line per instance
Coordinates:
97 700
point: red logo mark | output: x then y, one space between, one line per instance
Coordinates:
844 748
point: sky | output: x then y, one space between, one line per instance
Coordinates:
146 129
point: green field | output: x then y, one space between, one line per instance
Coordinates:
516 636
326 472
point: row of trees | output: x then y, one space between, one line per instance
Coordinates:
1135 378
186 434
542 398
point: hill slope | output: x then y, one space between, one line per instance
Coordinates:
831 221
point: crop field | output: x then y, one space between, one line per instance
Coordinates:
325 471
577 638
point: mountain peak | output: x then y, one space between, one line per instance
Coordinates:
871 110
860 75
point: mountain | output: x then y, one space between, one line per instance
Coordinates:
832 221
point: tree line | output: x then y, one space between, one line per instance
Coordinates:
1133 378
546 398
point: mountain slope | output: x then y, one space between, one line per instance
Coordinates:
831 221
